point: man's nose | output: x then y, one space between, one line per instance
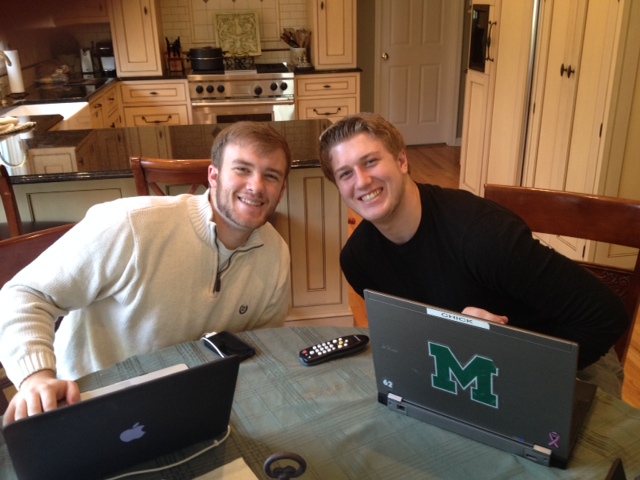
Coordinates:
256 183
362 177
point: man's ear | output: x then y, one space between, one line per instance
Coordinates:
403 161
212 176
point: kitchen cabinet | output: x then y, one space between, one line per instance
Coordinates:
136 34
334 40
559 117
87 157
68 201
572 119
105 109
479 94
80 12
52 160
149 142
312 218
156 102
329 95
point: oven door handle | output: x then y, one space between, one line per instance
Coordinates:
241 103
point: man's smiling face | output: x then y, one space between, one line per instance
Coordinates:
370 179
247 186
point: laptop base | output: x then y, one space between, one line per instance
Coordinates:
535 453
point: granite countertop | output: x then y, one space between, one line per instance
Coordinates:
114 146
74 90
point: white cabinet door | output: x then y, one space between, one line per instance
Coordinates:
135 35
571 99
315 229
334 40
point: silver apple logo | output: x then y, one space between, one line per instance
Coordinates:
132 433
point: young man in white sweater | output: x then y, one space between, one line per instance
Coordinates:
142 273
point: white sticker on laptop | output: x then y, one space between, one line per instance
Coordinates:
458 318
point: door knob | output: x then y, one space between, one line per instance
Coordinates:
385 56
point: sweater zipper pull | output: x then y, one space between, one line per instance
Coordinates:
216 287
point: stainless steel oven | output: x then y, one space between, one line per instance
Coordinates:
264 92
234 111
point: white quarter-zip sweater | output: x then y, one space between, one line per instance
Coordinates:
133 276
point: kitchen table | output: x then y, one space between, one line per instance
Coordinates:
329 415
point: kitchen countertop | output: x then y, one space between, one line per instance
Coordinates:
75 90
114 147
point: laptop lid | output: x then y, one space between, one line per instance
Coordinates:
506 387
106 434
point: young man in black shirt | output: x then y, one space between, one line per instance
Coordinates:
452 249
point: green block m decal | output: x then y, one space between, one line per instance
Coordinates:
477 374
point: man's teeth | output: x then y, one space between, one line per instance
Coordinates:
250 202
371 196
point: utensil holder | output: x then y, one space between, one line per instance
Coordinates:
299 56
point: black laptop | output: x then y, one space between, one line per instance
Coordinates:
506 387
106 434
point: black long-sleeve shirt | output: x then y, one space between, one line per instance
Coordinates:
471 252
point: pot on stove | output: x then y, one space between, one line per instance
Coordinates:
206 59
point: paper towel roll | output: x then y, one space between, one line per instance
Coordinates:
14 72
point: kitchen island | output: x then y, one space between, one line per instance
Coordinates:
58 176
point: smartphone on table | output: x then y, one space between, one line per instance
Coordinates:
226 344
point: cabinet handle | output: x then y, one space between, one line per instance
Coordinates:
327 114
326 86
321 5
570 71
488 56
156 121
145 10
153 93
97 106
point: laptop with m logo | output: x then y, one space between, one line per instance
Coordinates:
509 388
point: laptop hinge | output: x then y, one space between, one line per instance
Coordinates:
538 454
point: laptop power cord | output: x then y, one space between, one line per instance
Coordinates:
215 444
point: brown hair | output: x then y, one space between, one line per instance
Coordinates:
372 124
259 135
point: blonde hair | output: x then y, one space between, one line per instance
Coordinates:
372 124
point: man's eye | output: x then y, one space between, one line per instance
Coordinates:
344 175
371 162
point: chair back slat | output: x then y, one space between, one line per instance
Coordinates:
9 203
589 217
150 173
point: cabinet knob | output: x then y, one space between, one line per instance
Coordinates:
385 56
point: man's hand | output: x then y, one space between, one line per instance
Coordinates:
39 393
483 314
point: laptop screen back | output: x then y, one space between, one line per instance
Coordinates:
512 382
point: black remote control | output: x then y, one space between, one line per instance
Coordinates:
338 347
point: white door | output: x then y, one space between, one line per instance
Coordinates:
416 66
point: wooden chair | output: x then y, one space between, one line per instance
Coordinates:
149 172
9 203
15 226
589 217
15 254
